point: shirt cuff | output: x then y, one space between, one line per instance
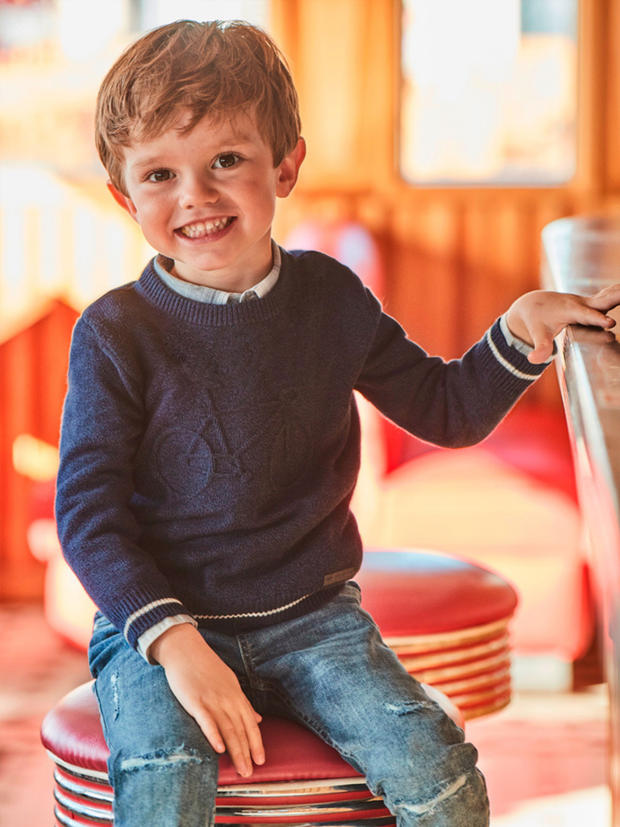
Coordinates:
519 344
148 638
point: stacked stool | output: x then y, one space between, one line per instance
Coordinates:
304 779
445 619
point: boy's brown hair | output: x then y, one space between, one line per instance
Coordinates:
214 68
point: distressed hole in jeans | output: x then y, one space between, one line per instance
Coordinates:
407 707
115 694
162 760
427 806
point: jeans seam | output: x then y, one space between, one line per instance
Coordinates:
270 686
104 728
245 649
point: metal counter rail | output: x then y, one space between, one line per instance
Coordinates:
582 255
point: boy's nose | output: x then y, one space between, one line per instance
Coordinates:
198 191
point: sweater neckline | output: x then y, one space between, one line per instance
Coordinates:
155 290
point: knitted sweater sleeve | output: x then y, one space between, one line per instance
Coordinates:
452 404
101 429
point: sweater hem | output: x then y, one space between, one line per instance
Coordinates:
248 621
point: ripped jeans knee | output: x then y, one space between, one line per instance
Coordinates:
161 760
461 802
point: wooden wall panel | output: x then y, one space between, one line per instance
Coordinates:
612 81
33 369
342 57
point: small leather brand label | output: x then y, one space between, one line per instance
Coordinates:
338 576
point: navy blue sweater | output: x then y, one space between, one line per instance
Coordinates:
209 452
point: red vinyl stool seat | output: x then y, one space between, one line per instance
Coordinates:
447 621
303 781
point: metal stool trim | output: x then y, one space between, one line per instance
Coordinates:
310 787
469 653
71 785
494 678
82 800
477 667
440 640
259 814
69 819
383 821
99 791
480 711
80 772
82 809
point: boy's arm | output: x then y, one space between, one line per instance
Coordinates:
102 425
101 432
538 317
458 403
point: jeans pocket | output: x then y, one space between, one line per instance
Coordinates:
351 591
100 620
103 643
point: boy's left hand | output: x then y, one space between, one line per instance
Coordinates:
536 318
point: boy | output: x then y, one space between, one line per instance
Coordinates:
210 447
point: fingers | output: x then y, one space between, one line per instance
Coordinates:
254 737
593 317
235 738
237 733
606 299
542 338
210 731
541 353
245 743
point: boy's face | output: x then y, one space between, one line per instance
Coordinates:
206 199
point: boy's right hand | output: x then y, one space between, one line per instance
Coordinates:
209 691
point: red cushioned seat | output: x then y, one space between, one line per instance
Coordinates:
418 592
72 732
447 621
304 781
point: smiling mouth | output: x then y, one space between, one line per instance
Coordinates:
206 228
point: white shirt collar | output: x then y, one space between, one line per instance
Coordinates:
209 295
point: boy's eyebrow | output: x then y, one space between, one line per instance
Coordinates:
147 162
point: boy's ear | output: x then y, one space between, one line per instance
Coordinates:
289 169
124 201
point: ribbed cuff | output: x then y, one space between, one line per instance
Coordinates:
139 612
510 358
148 638
519 344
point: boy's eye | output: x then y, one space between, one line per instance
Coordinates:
159 175
226 161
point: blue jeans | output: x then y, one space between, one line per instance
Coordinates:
328 669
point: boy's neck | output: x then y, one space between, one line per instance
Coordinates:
201 292
238 281
225 282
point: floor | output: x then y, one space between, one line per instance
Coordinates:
544 757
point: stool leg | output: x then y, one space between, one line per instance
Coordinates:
350 688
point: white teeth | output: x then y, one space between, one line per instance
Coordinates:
199 229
